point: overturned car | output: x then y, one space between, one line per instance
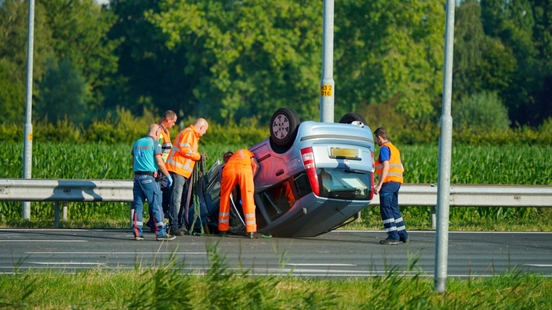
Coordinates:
313 177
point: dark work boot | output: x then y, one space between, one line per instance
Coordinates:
390 241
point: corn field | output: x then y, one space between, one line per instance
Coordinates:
506 165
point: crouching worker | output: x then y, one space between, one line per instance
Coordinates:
240 169
146 161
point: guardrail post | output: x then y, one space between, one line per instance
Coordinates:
56 214
433 217
64 212
131 215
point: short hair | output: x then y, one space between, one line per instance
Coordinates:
227 156
169 114
153 128
381 132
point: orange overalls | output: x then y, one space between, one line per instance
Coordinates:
238 170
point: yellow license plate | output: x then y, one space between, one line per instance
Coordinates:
337 152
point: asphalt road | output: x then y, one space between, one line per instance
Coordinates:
337 254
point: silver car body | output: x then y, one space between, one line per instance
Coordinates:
317 184
343 156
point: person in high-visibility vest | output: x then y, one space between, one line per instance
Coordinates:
240 169
180 163
168 121
389 170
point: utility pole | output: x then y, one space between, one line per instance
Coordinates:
28 142
327 84
445 151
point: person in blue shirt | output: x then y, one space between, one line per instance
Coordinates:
147 160
390 171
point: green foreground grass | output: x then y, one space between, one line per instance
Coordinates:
167 286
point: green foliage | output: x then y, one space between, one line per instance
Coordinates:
225 290
12 94
14 39
120 128
482 112
389 49
149 76
226 61
509 164
403 128
384 115
256 56
71 31
61 130
62 93
519 27
79 36
481 63
248 133
166 288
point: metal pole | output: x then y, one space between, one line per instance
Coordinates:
445 147
28 142
327 85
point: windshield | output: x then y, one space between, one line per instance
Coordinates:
345 183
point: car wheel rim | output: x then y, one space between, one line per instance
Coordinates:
280 126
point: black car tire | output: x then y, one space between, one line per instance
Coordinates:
351 117
283 127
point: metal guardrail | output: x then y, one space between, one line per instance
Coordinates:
477 195
48 190
65 190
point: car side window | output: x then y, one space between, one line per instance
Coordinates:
278 199
302 185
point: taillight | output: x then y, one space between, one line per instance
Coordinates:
308 162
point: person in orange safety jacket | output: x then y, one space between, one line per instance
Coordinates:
240 170
180 164
389 169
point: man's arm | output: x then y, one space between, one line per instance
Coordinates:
161 164
186 146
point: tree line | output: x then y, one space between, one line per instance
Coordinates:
230 60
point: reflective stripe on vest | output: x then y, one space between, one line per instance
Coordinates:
395 173
166 144
181 163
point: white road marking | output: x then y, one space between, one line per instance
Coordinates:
67 263
319 265
538 265
121 253
37 240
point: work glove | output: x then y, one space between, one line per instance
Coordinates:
170 180
204 156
